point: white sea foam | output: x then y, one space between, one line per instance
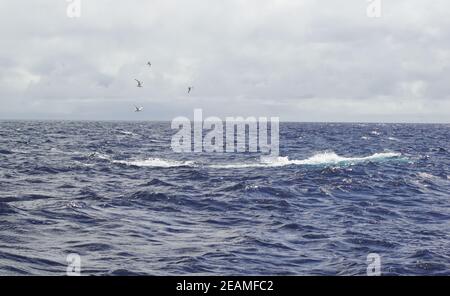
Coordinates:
327 158
127 133
393 139
155 162
332 158
101 156
55 150
430 177
426 176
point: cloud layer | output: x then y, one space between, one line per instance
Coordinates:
310 60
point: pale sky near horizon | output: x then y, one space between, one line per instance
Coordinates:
300 60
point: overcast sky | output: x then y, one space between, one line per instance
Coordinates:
301 60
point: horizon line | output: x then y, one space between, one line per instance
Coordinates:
166 120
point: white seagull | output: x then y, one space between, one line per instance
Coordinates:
138 109
139 83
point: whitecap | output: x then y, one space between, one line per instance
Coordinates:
155 162
327 158
127 133
430 177
424 175
393 139
101 156
55 150
333 158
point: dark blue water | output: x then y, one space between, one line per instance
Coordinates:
116 194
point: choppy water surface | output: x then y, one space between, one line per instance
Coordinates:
116 194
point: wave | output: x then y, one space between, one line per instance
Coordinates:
333 158
127 133
426 176
149 162
4 151
100 156
155 162
393 139
429 177
327 158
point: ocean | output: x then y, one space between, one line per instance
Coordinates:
117 195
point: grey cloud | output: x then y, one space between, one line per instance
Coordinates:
301 60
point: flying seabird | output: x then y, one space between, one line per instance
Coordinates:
138 109
139 83
149 64
189 89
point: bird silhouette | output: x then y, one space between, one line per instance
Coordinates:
139 83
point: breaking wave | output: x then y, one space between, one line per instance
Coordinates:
155 162
327 158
